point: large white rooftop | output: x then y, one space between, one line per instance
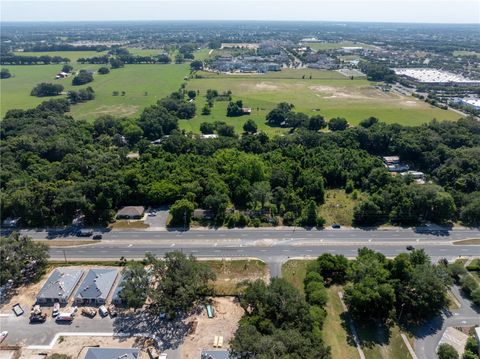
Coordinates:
432 75
475 102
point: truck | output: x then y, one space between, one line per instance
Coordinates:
65 317
38 318
89 312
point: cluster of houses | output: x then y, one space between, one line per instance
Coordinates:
394 165
248 64
93 287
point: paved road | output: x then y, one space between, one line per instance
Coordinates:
429 336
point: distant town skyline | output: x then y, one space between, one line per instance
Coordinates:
400 11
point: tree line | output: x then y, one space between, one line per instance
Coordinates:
11 59
67 167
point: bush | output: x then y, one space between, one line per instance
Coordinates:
82 78
5 74
46 89
446 351
103 70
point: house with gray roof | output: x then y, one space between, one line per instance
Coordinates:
96 286
59 286
112 353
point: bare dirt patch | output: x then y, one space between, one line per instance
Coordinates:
122 110
227 315
25 295
329 92
266 86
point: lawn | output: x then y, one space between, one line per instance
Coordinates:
143 85
327 93
338 207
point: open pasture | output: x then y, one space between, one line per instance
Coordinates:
328 93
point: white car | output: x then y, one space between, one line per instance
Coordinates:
3 335
152 214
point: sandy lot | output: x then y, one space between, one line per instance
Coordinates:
227 315
75 346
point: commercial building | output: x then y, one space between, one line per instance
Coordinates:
435 77
131 212
96 286
59 286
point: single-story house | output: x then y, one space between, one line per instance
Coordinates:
59 286
246 110
209 135
96 286
112 353
391 160
215 354
202 214
116 293
131 212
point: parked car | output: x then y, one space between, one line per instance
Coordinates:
152 213
97 235
56 309
112 310
89 312
3 335
410 248
84 232
17 309
65 317
335 225
38 318
102 310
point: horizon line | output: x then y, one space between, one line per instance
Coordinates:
242 20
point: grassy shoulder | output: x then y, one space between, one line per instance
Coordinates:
58 243
126 224
473 241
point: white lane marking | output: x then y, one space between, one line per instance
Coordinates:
130 245
216 244
172 245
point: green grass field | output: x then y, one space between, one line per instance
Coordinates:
338 207
143 84
328 93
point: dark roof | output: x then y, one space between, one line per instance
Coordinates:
118 290
215 354
60 284
97 283
112 353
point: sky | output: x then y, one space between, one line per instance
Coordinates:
417 11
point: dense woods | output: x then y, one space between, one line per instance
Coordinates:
67 167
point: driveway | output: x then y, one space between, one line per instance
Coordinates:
158 222
428 336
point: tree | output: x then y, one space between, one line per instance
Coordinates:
337 124
116 63
369 122
67 68
207 128
333 268
217 203
135 285
470 214
156 122
226 130
446 351
179 59
235 109
46 89
181 212
206 110
316 123
180 281
192 94
82 78
186 110
23 260
5 73
250 126
196 65
103 70
310 216
261 193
